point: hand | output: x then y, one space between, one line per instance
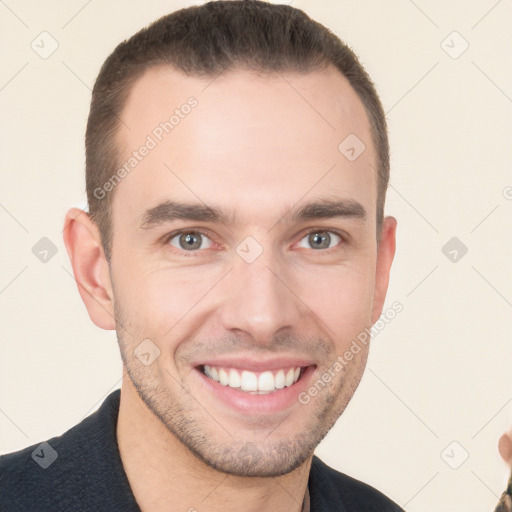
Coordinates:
505 449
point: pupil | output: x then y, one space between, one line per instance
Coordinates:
190 240
318 239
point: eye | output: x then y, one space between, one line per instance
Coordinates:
321 239
189 240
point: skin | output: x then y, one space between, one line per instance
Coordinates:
505 450
505 447
255 146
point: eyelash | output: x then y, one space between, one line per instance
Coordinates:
194 254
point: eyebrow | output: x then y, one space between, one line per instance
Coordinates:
169 211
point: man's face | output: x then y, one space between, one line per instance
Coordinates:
256 294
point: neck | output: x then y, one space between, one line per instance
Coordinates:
165 475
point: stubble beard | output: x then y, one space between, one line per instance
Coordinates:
209 438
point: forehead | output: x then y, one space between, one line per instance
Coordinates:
253 141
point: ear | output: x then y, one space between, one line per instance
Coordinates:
90 267
385 254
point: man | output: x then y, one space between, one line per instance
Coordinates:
236 169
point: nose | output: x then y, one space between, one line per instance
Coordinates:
260 299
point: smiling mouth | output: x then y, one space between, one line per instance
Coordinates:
256 383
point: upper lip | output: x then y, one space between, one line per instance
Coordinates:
252 364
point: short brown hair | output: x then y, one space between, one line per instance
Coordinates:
207 40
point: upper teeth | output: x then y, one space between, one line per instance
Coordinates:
250 381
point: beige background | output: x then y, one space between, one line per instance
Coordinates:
439 372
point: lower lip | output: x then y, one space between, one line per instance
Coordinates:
249 403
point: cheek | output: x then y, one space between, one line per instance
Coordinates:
161 299
159 304
343 299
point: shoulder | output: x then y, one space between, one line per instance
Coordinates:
333 490
28 477
78 470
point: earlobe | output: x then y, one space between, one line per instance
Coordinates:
385 255
90 267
